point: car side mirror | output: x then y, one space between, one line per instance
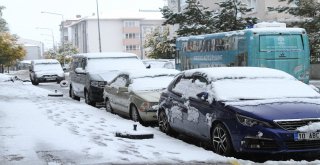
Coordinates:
122 89
203 96
79 71
30 68
149 66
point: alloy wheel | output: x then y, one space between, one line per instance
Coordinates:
135 114
163 122
108 106
221 141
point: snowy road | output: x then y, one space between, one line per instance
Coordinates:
37 129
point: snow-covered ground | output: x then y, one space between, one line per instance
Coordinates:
37 129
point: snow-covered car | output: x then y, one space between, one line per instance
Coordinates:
243 109
46 70
136 93
90 72
159 63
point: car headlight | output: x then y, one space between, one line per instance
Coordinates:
98 83
144 106
250 122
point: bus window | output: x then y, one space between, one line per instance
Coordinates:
276 43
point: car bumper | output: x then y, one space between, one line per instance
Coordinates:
50 79
270 140
149 115
96 94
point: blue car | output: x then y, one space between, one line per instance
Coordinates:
242 109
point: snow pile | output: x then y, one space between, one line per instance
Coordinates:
38 129
4 77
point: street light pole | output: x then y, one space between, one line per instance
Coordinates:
62 32
98 26
51 37
53 45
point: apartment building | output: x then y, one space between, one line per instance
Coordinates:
124 33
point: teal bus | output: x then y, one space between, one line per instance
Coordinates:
286 49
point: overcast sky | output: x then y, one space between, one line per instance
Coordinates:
23 16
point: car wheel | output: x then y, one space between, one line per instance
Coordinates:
87 99
72 95
34 82
108 106
221 140
135 114
164 124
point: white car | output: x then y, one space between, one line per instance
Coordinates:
46 70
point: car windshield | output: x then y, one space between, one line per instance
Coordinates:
261 88
150 83
118 63
47 67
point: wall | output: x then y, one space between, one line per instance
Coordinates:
110 33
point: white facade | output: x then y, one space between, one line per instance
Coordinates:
124 34
34 49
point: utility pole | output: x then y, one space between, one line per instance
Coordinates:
98 26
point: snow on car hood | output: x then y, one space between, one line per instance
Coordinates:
104 76
150 96
281 109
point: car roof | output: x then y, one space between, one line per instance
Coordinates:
45 61
137 73
218 73
105 55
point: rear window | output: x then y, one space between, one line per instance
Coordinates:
281 43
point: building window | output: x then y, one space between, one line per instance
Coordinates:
131 35
131 24
132 47
252 4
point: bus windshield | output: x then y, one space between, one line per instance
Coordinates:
275 43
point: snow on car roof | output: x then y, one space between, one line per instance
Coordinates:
238 72
105 55
150 72
45 61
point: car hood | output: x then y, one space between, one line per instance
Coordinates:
279 110
150 96
105 76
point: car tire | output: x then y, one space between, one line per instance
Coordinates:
164 124
34 82
134 114
108 106
87 99
72 95
221 140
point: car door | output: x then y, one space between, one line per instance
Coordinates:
178 108
115 95
194 117
80 77
123 95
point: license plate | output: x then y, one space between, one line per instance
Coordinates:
51 78
306 136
